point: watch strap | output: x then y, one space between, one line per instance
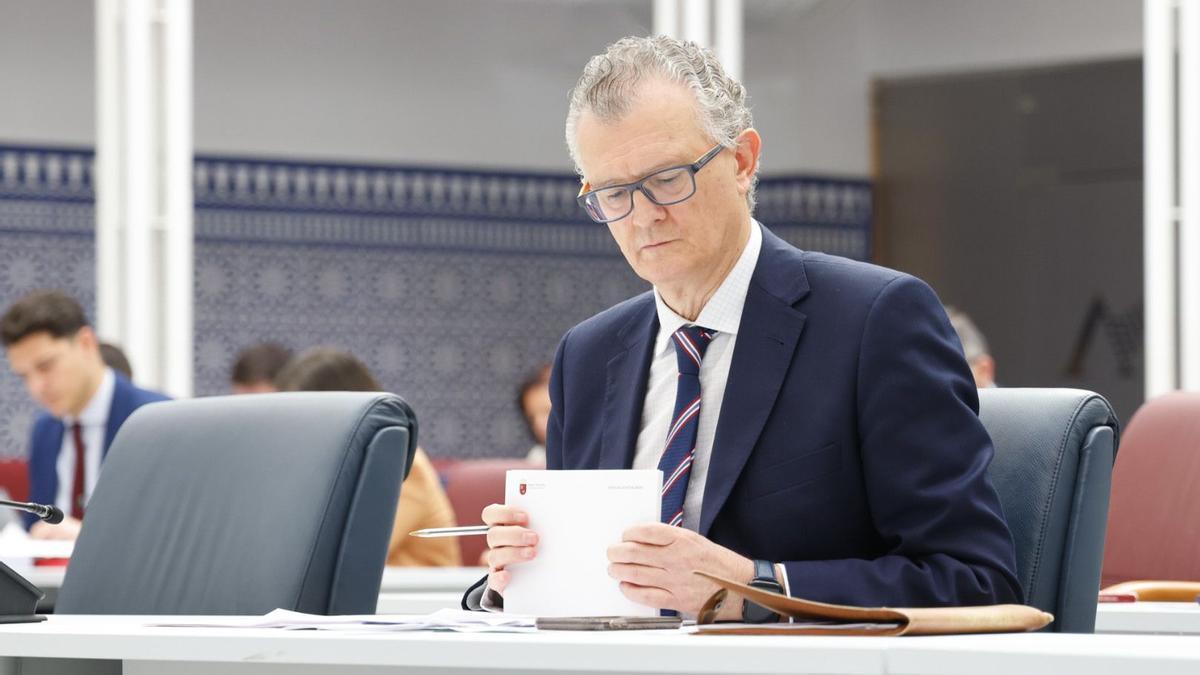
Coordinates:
764 578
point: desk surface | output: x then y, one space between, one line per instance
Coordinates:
1164 618
145 649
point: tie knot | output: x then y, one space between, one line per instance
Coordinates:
690 344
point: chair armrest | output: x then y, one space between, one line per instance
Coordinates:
1156 591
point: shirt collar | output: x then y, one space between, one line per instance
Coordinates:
95 413
723 311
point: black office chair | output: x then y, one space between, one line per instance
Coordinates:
1053 470
242 504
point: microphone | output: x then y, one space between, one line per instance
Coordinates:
47 512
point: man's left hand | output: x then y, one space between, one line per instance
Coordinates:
654 563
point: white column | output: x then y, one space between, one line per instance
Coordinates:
666 18
143 186
729 32
1189 194
696 22
1161 330
716 24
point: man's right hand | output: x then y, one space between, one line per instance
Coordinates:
509 542
68 529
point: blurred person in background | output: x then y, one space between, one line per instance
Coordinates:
975 348
534 399
256 367
51 346
423 502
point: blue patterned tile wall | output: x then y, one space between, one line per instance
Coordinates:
452 285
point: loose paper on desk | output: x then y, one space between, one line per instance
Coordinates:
577 515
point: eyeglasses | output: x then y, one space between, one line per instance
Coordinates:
663 187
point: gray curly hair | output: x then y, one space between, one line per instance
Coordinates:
610 80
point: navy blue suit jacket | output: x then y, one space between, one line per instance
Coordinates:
47 438
848 448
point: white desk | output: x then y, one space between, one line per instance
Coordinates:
1037 653
46 578
74 644
1163 618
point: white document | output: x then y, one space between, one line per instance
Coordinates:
577 515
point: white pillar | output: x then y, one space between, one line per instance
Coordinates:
1189 194
716 24
1161 329
666 18
143 186
729 32
696 22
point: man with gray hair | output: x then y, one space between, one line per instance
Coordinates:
813 417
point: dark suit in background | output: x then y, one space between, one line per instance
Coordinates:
848 446
47 438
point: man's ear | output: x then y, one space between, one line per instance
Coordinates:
86 338
749 146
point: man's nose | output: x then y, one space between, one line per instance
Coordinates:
645 212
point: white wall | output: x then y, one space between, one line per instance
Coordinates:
484 82
460 82
47 72
810 68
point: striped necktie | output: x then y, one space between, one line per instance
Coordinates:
676 463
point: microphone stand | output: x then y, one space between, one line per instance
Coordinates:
18 597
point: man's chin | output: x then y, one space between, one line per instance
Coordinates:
56 410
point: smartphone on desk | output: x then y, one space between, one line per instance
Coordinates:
608 622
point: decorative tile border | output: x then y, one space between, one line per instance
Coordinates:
409 267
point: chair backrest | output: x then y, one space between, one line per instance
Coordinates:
1154 521
244 504
1052 470
472 484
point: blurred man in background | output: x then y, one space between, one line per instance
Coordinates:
255 369
423 502
51 346
534 399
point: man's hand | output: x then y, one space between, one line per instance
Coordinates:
654 563
509 542
68 529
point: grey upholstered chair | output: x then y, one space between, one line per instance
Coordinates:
1053 470
242 504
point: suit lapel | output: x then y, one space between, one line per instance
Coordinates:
766 342
625 389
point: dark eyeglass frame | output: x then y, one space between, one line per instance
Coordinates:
637 186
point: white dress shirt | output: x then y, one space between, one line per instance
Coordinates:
94 421
722 313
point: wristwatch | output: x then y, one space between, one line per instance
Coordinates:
764 578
